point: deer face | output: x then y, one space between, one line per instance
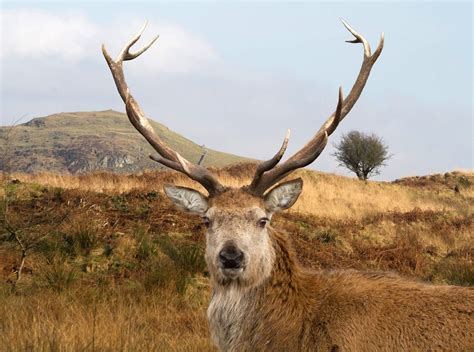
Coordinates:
238 246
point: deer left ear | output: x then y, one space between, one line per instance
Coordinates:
283 196
187 199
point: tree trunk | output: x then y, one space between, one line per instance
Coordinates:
20 268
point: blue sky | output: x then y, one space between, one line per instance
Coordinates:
236 75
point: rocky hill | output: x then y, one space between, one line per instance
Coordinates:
80 142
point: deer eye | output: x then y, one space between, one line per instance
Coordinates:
262 222
206 221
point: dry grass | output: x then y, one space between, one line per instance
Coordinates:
324 194
123 270
342 197
91 320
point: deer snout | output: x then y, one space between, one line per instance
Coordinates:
231 257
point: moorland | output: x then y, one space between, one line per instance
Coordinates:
108 264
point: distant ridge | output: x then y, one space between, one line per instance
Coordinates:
79 142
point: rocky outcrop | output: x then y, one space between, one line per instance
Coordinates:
81 142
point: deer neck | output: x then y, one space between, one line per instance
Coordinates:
237 312
286 278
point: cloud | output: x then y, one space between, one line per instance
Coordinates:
39 35
36 35
179 51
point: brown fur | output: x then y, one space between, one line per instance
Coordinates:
235 199
299 310
273 304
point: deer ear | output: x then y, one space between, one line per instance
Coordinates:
283 196
187 199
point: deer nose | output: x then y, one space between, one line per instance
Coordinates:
231 257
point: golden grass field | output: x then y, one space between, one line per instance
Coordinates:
114 267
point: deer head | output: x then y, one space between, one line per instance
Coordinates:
239 248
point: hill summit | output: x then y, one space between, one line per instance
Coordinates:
79 142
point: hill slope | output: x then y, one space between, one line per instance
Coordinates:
79 142
115 266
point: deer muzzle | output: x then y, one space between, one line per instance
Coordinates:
231 257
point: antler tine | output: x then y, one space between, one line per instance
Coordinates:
337 115
269 164
126 55
159 159
201 175
315 146
358 38
303 157
167 156
377 51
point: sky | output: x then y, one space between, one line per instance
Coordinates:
235 75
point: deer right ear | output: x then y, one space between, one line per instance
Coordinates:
187 199
283 196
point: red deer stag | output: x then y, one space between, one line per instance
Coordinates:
263 300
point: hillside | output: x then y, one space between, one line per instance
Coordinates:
79 142
114 266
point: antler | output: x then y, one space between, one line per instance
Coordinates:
268 172
167 156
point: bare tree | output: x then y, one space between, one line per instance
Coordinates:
362 153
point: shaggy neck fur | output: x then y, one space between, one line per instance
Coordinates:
298 310
237 312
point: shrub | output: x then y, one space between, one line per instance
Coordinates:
456 268
326 236
361 153
188 260
160 273
51 247
82 237
119 202
188 257
58 275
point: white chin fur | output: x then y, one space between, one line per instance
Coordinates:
231 273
